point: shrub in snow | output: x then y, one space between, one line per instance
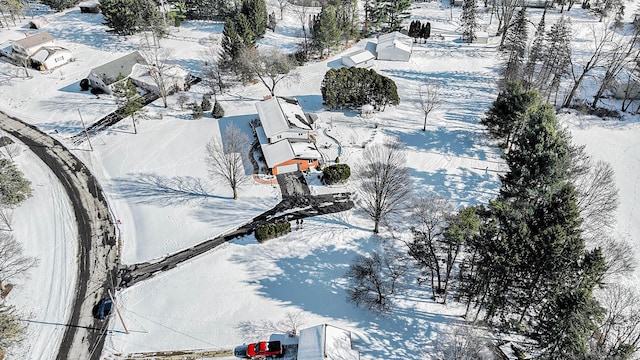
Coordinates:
197 111
84 84
206 104
338 173
271 230
218 111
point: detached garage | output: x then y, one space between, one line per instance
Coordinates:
394 47
326 342
361 58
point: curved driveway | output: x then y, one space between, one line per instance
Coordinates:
97 261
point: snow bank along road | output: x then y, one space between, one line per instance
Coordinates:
97 262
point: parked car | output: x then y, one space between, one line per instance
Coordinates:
262 349
102 310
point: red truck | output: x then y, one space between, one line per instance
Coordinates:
262 349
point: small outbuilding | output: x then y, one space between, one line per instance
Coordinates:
482 37
91 7
627 88
326 342
38 23
51 57
360 58
394 46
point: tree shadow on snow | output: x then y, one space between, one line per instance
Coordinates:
153 189
315 282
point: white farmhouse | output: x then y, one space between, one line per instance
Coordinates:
326 342
359 58
394 47
32 43
105 76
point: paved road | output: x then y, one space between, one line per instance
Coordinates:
293 206
97 263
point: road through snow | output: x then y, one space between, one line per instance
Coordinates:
97 262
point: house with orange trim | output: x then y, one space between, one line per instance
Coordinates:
287 135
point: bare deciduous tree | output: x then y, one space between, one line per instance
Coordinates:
6 216
292 322
271 66
385 183
13 263
212 75
303 13
603 37
429 97
374 279
618 333
159 68
282 5
430 215
597 197
11 329
182 100
225 158
618 254
463 343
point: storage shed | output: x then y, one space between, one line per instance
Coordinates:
326 342
394 47
359 58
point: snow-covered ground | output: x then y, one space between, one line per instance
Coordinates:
157 184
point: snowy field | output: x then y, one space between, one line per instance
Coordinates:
157 185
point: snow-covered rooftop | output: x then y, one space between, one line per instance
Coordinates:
360 56
281 114
323 342
394 40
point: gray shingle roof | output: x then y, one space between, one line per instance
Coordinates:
118 68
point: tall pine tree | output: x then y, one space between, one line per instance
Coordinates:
469 21
515 47
326 33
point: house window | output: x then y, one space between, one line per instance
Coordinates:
311 161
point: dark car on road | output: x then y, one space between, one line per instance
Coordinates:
102 310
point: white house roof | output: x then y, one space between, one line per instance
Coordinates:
305 150
46 52
360 56
281 114
325 342
277 153
140 72
394 40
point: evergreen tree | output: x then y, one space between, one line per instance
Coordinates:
206 104
14 187
218 111
556 58
374 16
515 47
129 101
256 13
425 31
414 27
535 53
246 34
347 17
396 12
127 17
232 45
326 33
197 112
507 116
60 5
469 21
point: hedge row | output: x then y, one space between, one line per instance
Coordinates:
271 230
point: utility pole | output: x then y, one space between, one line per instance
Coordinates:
86 133
113 301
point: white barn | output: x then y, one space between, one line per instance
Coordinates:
326 342
359 58
394 47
